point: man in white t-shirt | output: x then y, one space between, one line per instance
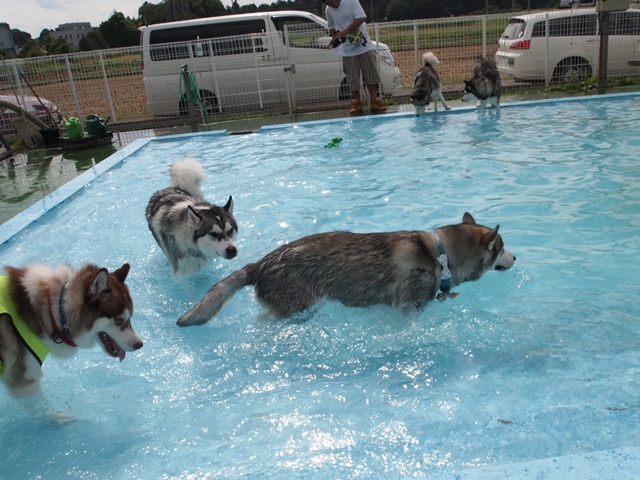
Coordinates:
351 42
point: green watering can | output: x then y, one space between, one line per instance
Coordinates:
74 128
96 125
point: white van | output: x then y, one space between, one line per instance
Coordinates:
249 62
573 45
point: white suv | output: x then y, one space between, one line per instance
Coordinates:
573 45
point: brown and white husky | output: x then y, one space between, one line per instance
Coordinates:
44 311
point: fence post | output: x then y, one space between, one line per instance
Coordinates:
375 28
288 73
416 47
484 36
106 82
214 74
255 65
193 121
547 75
603 52
73 87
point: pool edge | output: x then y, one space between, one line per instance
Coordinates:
15 225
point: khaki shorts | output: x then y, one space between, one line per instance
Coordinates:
365 63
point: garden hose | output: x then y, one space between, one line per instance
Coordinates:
194 93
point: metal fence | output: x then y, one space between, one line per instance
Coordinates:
113 82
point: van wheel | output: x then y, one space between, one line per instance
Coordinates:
209 100
572 69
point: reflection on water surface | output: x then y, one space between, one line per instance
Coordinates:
28 177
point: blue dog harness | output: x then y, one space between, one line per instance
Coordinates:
35 345
445 274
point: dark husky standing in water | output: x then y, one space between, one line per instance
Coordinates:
360 269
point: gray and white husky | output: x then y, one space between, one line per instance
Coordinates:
189 230
360 269
44 311
485 84
426 86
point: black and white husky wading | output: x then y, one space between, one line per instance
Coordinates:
44 311
426 86
189 230
360 269
485 84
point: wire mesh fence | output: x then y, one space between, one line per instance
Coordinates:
291 68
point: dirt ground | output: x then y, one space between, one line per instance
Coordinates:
456 63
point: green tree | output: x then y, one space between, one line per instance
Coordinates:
92 41
33 49
150 13
206 8
60 46
120 31
57 46
20 38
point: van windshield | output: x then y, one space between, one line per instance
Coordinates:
515 29
303 32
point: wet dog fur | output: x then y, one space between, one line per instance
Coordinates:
485 84
189 230
426 86
94 304
394 268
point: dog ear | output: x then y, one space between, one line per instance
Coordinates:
99 285
192 216
122 272
488 239
468 219
229 206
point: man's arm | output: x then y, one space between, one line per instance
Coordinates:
352 26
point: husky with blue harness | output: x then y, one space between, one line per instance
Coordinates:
44 311
361 269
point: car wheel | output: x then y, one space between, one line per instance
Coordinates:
572 69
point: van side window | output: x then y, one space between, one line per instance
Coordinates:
303 32
230 38
625 23
569 26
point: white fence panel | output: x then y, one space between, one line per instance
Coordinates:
256 74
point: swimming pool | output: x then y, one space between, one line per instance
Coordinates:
530 373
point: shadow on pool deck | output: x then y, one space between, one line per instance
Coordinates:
28 177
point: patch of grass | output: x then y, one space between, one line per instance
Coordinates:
593 83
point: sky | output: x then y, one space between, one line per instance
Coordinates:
33 16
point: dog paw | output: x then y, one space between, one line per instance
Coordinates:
60 418
442 296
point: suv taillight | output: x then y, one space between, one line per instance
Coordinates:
521 45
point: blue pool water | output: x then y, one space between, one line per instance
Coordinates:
530 373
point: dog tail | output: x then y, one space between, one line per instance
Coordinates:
215 299
430 59
187 175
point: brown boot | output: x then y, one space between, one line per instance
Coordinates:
377 106
356 107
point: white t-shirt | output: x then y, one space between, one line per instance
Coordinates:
358 41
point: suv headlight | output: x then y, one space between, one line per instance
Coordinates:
386 56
